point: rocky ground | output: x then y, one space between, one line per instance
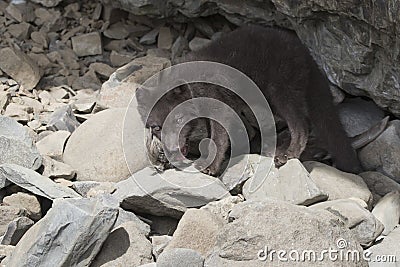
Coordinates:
67 73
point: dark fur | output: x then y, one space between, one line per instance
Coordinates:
287 75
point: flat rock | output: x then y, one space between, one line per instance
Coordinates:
256 228
34 182
364 225
15 230
16 145
117 31
388 144
180 257
63 119
120 88
55 169
53 144
125 246
78 227
21 12
338 184
119 59
96 149
168 194
27 202
150 37
291 183
387 210
379 184
88 44
20 31
159 242
20 67
387 250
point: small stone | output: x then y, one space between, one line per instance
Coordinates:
8 214
27 202
198 43
179 46
21 12
21 31
87 44
47 3
164 38
17 112
40 38
34 182
203 27
150 37
83 187
159 243
102 188
15 230
120 59
102 69
59 93
5 98
55 169
180 257
338 184
20 67
63 119
388 211
117 31
53 144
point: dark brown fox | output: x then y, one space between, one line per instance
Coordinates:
283 69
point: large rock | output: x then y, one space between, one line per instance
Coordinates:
383 154
125 246
291 183
34 182
364 225
379 184
17 146
97 152
71 234
256 228
20 67
120 88
386 253
169 193
338 184
53 144
352 41
388 211
180 257
27 202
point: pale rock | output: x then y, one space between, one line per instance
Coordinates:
387 249
291 182
364 225
117 30
387 210
180 257
15 230
88 44
27 202
8 214
169 193
55 169
338 184
159 242
53 144
198 43
34 182
63 119
71 233
96 149
20 67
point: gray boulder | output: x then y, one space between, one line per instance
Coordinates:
180 257
71 234
388 211
386 253
379 184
